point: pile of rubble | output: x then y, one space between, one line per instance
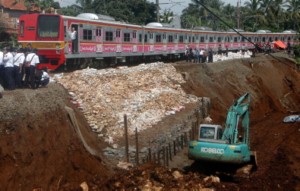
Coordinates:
145 93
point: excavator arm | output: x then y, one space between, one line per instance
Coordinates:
238 113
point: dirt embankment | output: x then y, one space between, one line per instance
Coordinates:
41 150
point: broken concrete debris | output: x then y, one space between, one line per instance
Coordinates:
145 93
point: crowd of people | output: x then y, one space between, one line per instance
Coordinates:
18 69
200 55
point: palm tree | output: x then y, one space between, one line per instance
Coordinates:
293 12
276 14
167 16
254 16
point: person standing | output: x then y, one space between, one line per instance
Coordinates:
1 69
32 60
73 36
8 61
201 55
210 55
19 59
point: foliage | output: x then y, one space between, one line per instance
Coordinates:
167 16
43 4
131 11
274 15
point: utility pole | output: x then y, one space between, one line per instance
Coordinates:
238 13
157 11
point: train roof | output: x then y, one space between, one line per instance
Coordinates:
90 17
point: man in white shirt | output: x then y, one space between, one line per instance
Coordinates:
32 59
73 36
19 59
44 79
8 61
1 69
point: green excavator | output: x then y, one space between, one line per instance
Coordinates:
231 145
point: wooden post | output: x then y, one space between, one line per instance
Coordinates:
170 151
149 154
164 156
126 139
174 147
167 155
137 147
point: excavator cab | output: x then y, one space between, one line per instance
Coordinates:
208 131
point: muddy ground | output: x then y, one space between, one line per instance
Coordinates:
41 150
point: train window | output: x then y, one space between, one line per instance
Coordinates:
48 26
170 38
263 39
193 39
202 39
190 39
211 39
180 38
109 36
219 39
126 37
146 38
118 33
235 39
98 32
87 34
140 37
21 28
289 38
158 38
276 38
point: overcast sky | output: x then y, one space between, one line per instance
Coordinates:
174 5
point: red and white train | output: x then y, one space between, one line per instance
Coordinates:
100 40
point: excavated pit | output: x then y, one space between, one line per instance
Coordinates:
41 148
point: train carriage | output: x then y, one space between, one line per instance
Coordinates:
101 39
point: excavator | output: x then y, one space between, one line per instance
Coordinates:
231 145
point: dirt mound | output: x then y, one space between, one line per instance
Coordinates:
40 149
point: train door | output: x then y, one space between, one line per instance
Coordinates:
75 42
98 34
151 41
164 41
118 36
66 37
134 41
99 39
119 40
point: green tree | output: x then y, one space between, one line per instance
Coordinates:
167 16
292 14
253 15
132 11
43 4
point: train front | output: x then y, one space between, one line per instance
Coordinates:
45 32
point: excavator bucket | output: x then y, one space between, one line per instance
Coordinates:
247 169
